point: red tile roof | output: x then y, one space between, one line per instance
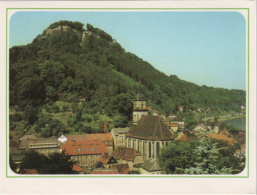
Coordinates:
106 158
172 124
77 168
106 138
122 168
223 137
128 154
84 147
184 138
150 127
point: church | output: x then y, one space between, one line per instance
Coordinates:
148 134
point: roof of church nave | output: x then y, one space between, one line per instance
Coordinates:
151 128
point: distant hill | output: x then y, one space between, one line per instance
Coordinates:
66 62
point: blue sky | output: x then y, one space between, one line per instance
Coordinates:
206 48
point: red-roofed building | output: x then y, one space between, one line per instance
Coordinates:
122 168
107 159
182 137
223 137
173 127
127 156
78 169
85 152
106 138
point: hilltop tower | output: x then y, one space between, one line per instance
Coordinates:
139 108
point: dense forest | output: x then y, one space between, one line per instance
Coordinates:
51 74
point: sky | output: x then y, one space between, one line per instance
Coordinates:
202 47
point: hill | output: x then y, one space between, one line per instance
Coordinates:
66 62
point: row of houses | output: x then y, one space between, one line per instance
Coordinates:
123 149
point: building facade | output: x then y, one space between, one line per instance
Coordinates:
105 138
119 137
85 152
42 145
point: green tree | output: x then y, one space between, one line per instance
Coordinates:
207 160
55 163
176 157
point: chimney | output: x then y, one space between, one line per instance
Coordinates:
105 127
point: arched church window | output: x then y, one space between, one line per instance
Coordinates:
157 148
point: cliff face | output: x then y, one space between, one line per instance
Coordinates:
61 28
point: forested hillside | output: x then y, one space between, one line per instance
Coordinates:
52 73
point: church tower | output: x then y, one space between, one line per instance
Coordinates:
139 108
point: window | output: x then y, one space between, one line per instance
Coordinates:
110 142
79 149
92 149
95 148
84 149
157 148
91 156
74 150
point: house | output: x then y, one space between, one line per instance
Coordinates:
127 156
162 116
119 136
85 152
41 145
106 160
154 112
105 138
151 166
180 108
121 168
182 137
62 138
173 127
200 128
213 127
78 169
176 120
